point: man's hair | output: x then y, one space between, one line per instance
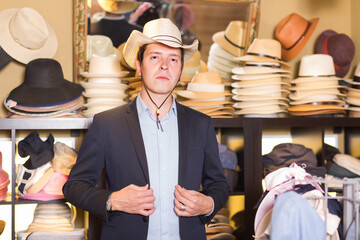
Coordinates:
142 49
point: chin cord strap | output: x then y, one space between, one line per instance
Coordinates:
158 123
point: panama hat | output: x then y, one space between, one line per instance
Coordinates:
160 30
293 32
25 35
340 47
104 66
117 7
322 99
264 50
232 39
100 45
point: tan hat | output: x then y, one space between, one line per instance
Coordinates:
293 32
233 38
53 217
264 50
64 158
104 66
160 30
117 7
25 35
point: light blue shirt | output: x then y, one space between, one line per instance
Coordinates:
162 153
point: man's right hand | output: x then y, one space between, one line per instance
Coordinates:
134 199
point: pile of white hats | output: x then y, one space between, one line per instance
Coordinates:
227 45
104 88
206 93
316 91
261 84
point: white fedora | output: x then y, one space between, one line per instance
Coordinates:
104 66
100 45
264 50
317 66
263 90
160 30
25 35
269 109
104 80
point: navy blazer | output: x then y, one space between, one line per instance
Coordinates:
114 143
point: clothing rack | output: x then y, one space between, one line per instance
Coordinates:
350 200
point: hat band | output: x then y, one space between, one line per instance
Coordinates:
160 39
261 65
263 55
324 103
325 48
237 46
301 37
306 76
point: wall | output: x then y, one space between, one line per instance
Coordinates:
59 15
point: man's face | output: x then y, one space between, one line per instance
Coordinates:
160 68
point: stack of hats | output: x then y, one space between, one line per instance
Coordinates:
43 175
316 91
25 36
293 32
104 88
219 227
340 47
4 181
260 87
227 45
44 92
353 94
191 67
206 93
52 221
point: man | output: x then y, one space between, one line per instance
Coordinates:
156 152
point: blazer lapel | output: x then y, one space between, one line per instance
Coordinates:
183 146
136 137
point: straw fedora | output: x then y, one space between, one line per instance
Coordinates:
316 66
264 50
232 39
100 45
340 47
25 35
293 32
160 30
117 7
104 66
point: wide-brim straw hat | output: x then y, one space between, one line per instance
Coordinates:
117 7
340 47
232 39
262 82
25 35
217 51
301 94
293 32
160 30
120 86
255 77
257 70
264 50
206 103
269 109
282 96
249 104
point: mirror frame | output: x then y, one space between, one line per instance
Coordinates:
80 31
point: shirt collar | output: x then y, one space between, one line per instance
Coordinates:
141 106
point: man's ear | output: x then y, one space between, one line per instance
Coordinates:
138 67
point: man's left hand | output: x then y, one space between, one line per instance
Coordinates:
195 202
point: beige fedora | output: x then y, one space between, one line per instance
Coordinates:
233 38
117 7
264 50
100 45
160 30
316 66
104 66
293 32
260 90
25 35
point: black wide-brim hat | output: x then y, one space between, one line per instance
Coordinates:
44 85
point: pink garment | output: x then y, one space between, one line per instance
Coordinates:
52 189
278 182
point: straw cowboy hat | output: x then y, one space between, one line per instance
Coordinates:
264 50
232 39
117 7
293 32
340 47
25 35
160 30
104 67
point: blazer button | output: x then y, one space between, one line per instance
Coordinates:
145 219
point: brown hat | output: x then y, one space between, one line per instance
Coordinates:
293 32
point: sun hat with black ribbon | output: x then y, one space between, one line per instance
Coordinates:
160 30
25 35
44 85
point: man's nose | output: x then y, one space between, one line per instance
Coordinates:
164 64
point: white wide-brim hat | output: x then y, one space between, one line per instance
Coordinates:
284 76
245 105
301 94
254 97
160 30
115 86
262 82
269 109
257 70
25 35
206 103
